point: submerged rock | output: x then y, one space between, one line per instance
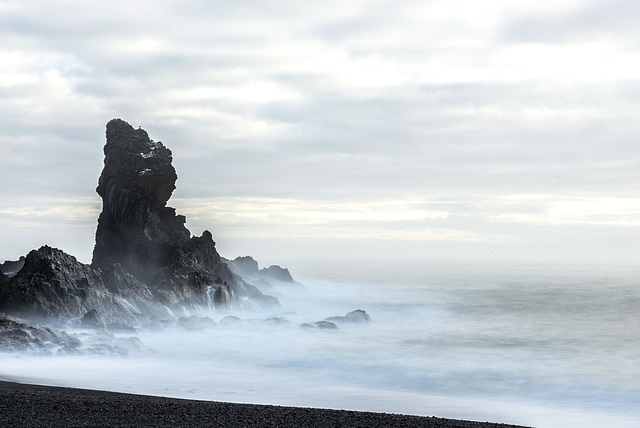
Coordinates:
322 325
357 316
20 335
230 321
331 323
196 323
17 336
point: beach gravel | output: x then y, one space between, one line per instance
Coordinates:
24 405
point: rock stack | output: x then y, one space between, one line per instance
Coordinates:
146 265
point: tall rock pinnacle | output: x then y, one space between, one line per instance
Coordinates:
138 231
146 265
135 226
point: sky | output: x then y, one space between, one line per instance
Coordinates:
429 131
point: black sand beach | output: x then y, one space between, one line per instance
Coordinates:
43 406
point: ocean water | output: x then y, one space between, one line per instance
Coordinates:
538 345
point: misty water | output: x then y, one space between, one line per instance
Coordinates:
540 346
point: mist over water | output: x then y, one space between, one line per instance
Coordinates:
533 346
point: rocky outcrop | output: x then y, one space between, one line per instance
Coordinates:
245 265
277 273
264 278
135 226
54 285
17 336
147 269
147 238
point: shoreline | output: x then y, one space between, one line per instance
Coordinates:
27 405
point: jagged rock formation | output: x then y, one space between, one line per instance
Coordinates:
147 238
245 265
16 336
54 285
135 224
264 278
146 268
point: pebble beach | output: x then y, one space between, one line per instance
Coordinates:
23 405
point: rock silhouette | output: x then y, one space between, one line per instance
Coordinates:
53 285
264 278
146 266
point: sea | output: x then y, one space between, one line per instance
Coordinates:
534 345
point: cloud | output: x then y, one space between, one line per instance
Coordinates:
384 219
576 22
341 103
571 210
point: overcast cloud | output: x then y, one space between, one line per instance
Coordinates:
434 130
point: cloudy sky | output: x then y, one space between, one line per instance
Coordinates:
423 130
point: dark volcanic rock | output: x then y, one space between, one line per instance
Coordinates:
264 278
148 239
147 269
54 285
4 279
93 319
246 266
277 273
16 336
